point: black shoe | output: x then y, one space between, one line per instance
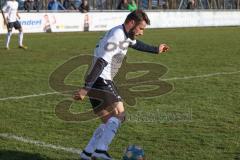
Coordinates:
85 155
101 154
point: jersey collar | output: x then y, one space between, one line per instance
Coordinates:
125 32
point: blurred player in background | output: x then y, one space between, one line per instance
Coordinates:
108 57
11 8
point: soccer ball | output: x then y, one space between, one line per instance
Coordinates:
133 152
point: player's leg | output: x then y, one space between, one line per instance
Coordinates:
18 26
20 37
91 146
9 34
113 120
106 91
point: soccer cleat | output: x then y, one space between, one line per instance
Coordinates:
101 155
23 47
7 48
85 155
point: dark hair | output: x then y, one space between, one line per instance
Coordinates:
138 16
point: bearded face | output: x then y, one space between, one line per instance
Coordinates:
137 29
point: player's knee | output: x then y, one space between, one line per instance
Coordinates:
121 116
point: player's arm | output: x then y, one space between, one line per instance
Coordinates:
4 18
141 46
18 16
4 9
91 78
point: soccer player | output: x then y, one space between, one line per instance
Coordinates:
108 57
11 7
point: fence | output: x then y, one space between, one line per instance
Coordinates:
143 4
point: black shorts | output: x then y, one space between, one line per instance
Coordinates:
15 24
103 94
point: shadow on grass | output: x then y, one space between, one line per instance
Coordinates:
237 157
18 155
21 155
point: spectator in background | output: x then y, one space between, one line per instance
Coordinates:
55 5
37 5
132 5
123 5
191 4
237 4
173 4
101 4
143 4
78 3
84 7
155 4
127 5
161 4
21 4
69 5
28 5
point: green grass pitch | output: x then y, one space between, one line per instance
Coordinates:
199 119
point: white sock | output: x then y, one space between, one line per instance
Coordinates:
8 39
108 134
90 148
20 38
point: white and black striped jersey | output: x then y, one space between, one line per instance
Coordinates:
110 52
11 8
113 48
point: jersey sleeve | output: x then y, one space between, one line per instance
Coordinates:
5 7
95 72
141 46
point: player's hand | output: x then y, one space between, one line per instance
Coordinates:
80 94
163 48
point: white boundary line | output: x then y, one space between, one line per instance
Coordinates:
167 79
200 76
28 96
39 143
